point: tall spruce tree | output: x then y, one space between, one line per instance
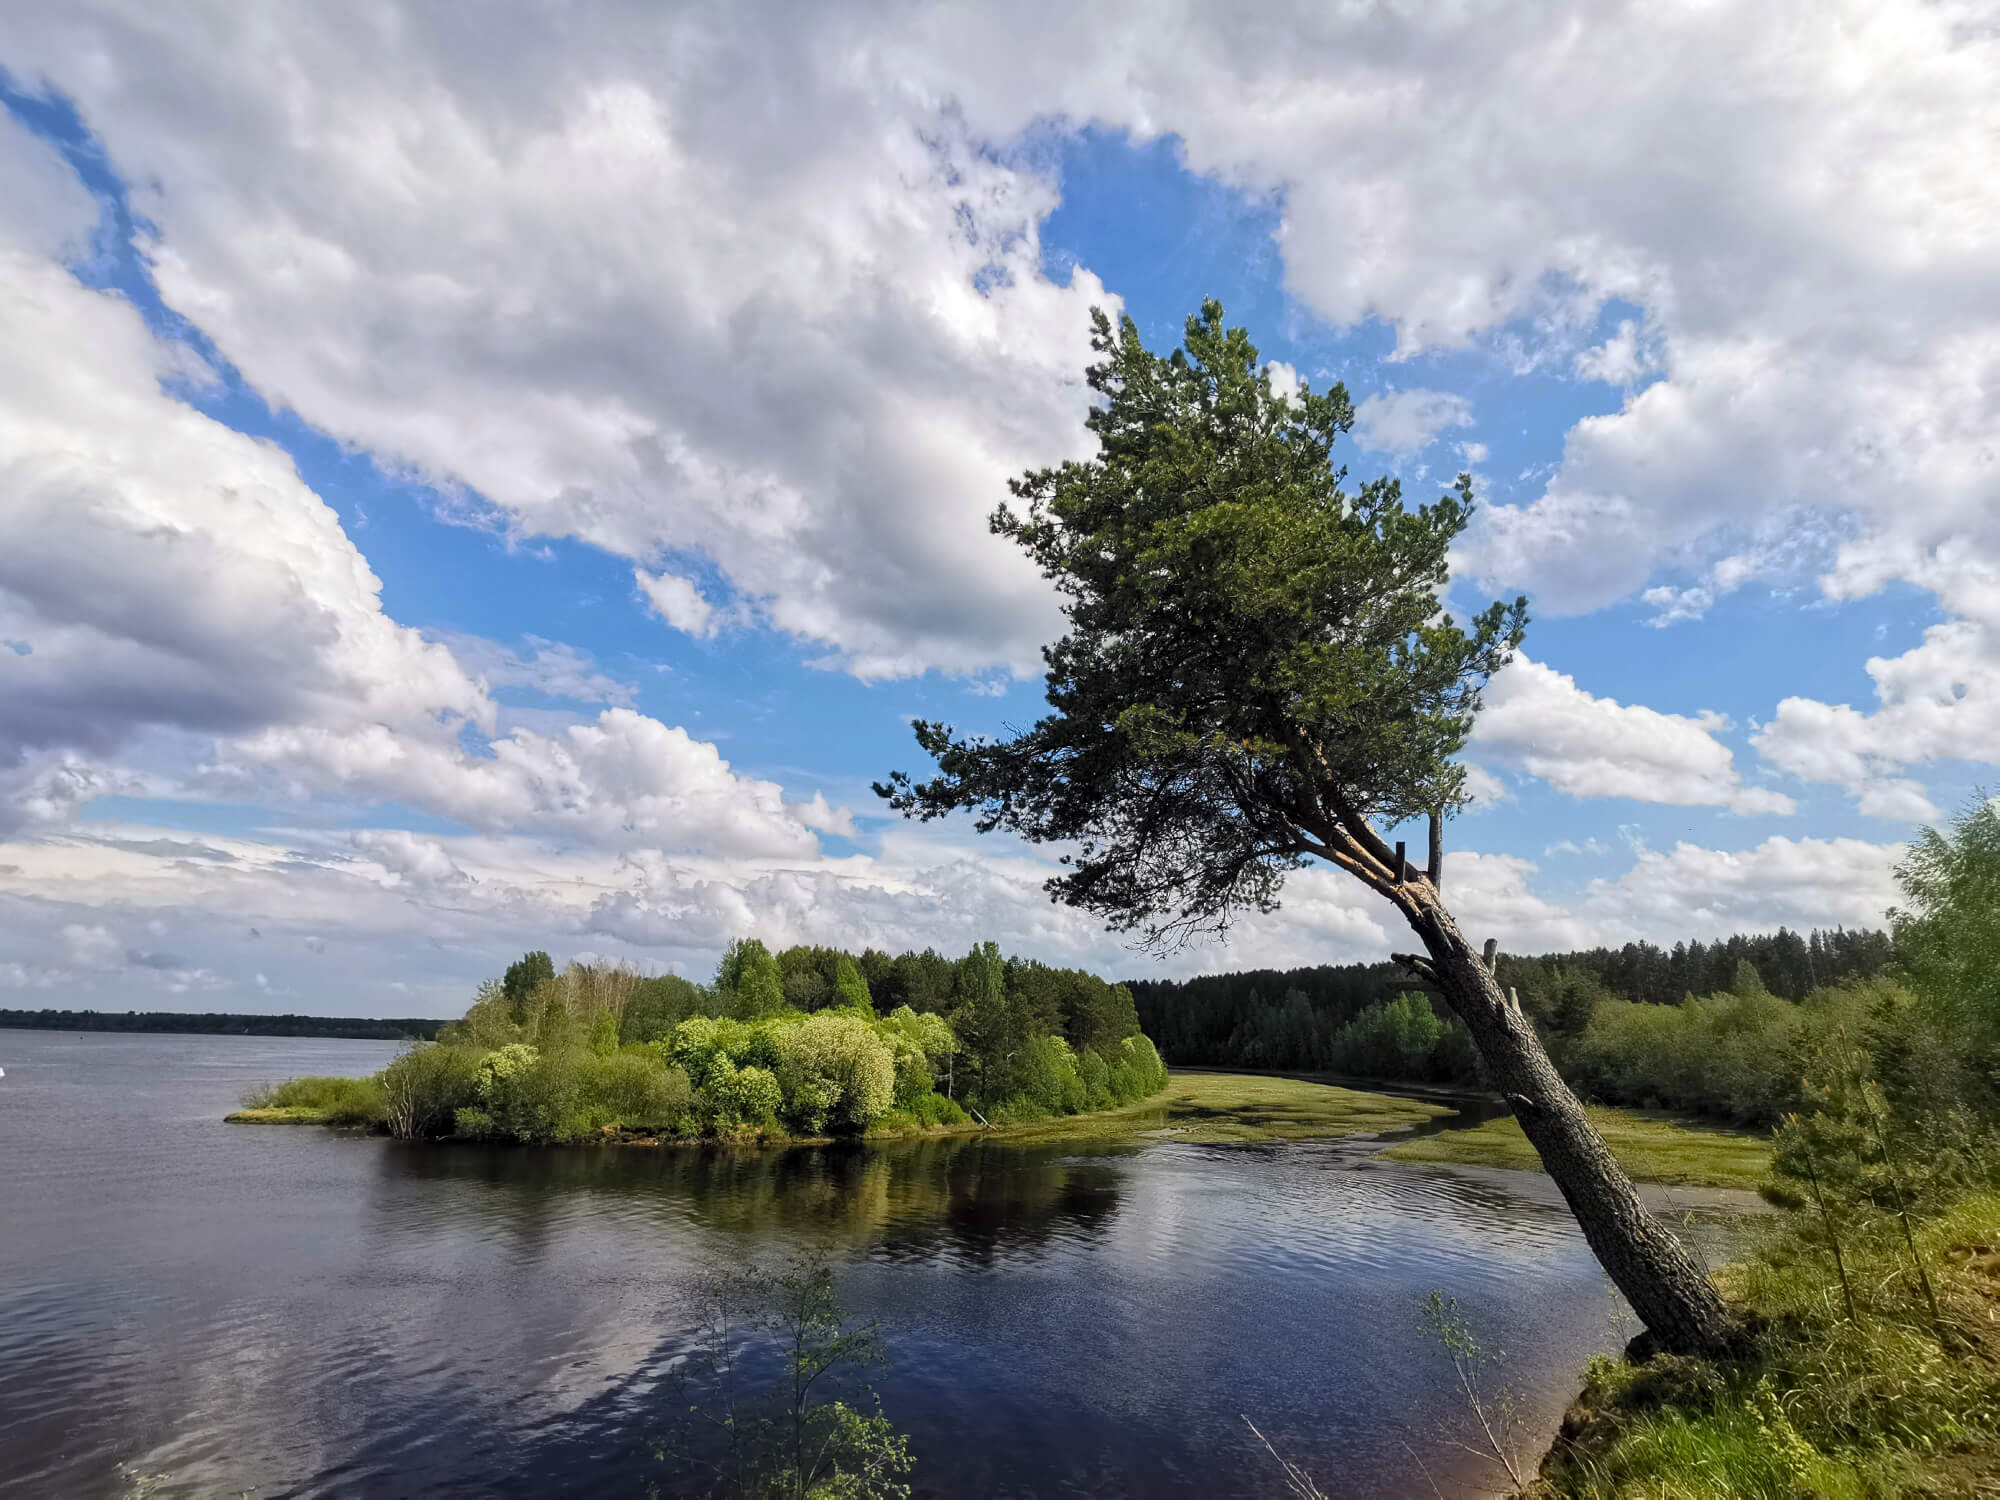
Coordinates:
1258 673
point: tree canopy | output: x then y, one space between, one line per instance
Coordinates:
1257 666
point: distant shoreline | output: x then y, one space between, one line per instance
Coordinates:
217 1023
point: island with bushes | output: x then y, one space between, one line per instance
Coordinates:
808 1044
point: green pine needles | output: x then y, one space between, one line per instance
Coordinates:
1255 652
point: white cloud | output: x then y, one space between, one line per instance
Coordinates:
1404 423
1539 721
1691 892
820 815
1938 701
547 667
693 281
622 780
1618 360
677 601
575 289
92 946
49 212
175 581
1486 788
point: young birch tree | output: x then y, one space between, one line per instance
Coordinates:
1258 673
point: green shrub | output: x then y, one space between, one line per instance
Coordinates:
1136 1072
695 1044
834 1066
1095 1073
935 1109
735 1096
539 1100
913 1069
424 1089
1738 1056
474 1124
634 1088
1048 1077
1396 1039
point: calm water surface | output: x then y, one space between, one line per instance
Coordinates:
300 1312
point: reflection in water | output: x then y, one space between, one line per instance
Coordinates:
314 1314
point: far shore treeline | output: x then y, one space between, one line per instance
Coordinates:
807 1043
1695 1028
217 1023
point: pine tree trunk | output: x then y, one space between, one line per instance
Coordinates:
1679 1306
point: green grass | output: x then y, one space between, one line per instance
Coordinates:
1652 1150
312 1101
1884 1405
1241 1109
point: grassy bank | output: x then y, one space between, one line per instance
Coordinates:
1652 1150
1220 1108
1884 1403
1242 1109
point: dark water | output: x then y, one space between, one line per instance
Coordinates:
299 1312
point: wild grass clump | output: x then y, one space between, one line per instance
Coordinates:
1885 1403
1650 1150
335 1101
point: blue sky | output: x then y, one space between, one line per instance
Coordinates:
664 406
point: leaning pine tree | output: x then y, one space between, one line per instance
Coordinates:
1257 673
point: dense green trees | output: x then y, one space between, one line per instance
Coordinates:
796 1042
1266 1018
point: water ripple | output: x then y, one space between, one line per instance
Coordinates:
310 1314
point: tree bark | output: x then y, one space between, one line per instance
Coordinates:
1679 1306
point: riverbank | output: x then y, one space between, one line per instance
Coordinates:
1885 1400
1198 1108
1203 1108
1650 1148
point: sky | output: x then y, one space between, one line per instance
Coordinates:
481 479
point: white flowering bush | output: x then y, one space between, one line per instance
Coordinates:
833 1065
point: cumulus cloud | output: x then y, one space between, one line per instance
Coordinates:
693 281
49 213
1619 360
1665 896
784 340
1691 891
415 921
1404 423
1284 378
677 601
162 568
1938 701
166 575
1538 720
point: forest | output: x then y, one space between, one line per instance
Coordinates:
218 1023
806 1043
1695 1027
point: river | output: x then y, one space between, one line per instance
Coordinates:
292 1311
